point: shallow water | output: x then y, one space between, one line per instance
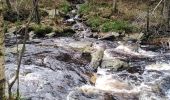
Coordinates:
147 78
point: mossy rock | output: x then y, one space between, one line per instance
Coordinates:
114 64
64 31
41 30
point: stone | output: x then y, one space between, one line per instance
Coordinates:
114 64
111 62
31 35
52 13
133 36
50 35
108 36
80 45
97 55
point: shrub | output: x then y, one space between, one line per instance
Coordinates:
41 30
85 8
64 6
95 22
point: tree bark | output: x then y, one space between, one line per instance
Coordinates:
36 15
166 12
2 68
8 4
114 6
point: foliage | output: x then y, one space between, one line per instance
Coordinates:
117 26
41 30
105 25
64 6
85 8
95 22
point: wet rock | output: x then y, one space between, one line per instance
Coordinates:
108 36
114 64
74 12
78 26
97 55
31 35
80 45
111 62
50 35
133 36
38 82
70 21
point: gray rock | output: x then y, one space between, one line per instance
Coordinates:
114 64
50 35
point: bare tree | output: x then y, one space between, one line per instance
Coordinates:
2 77
2 67
114 6
166 12
36 15
8 4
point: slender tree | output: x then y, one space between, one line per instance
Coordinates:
114 6
2 79
166 12
2 68
8 4
36 15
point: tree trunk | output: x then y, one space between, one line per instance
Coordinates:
2 68
8 4
36 15
114 6
166 12
148 18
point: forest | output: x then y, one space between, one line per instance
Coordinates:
85 50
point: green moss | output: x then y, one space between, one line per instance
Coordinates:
41 30
64 6
98 23
85 8
94 22
117 26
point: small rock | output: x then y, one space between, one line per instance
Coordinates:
31 35
81 45
50 35
52 13
108 36
114 64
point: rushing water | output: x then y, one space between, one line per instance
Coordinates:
58 69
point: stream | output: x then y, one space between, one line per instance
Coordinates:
64 68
